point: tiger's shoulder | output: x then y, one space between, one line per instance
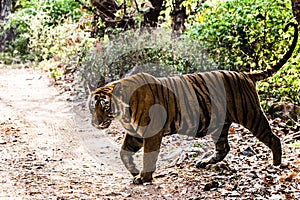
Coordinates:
137 80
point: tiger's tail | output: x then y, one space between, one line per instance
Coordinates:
270 71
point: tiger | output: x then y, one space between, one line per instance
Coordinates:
196 105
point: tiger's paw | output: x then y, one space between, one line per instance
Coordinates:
138 180
277 161
201 164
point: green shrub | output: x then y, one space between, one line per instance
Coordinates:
157 51
34 20
243 35
63 46
247 35
284 86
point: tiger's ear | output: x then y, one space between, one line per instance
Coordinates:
117 91
106 90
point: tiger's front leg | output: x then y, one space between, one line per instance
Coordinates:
151 151
130 146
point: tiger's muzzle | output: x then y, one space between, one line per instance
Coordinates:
102 125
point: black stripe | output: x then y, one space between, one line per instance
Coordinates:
203 87
210 76
137 118
220 91
163 95
256 122
167 100
264 135
132 79
184 90
238 96
229 86
201 98
173 85
242 117
249 89
251 99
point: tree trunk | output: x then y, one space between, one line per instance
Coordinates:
104 10
8 35
296 9
178 17
151 17
4 8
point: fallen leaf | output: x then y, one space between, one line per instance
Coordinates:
282 178
211 185
228 188
291 176
265 180
231 130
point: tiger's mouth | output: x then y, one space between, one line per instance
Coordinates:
102 125
105 124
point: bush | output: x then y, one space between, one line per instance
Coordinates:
248 35
36 18
157 51
283 86
61 47
243 35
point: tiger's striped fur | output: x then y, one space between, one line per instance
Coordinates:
193 104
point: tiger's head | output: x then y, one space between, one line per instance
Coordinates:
100 106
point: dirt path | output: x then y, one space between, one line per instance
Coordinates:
48 149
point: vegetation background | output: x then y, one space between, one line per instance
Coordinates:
102 40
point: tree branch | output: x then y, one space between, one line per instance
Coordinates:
84 6
296 9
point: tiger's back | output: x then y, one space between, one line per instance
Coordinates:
194 103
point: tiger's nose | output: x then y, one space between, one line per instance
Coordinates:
96 126
95 123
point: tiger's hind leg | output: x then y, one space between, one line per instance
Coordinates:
130 146
261 129
221 145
